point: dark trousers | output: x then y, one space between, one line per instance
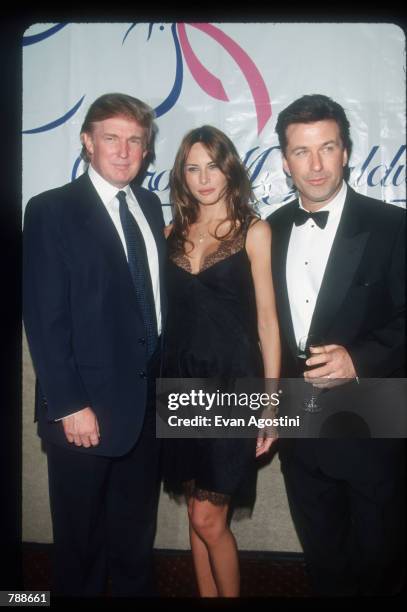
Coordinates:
351 528
104 516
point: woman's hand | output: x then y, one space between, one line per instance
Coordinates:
266 437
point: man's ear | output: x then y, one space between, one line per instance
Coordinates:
345 158
285 166
86 140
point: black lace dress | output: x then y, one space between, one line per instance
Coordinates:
212 332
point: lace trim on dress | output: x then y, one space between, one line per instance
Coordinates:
217 499
226 249
182 261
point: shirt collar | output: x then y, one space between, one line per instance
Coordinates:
105 190
336 204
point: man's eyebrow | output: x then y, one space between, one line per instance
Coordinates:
324 144
134 137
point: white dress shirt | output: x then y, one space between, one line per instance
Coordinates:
308 251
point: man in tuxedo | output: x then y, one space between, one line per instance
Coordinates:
339 273
93 310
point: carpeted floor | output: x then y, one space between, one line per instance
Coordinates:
262 574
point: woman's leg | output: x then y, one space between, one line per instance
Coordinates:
208 526
203 570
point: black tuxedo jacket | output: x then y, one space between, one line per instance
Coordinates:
361 302
360 305
82 319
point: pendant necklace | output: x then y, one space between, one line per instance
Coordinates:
202 235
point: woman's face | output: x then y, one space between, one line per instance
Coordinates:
205 180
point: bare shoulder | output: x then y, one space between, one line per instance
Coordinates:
258 242
258 230
168 230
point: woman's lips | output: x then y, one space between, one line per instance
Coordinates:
206 191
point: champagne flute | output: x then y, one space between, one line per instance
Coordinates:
305 343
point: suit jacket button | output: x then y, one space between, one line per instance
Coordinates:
141 340
142 374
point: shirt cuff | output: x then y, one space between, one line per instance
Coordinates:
68 415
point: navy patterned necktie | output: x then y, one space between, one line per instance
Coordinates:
302 216
140 271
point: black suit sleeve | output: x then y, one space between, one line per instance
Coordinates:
382 352
46 309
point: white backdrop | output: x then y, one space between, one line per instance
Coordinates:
236 76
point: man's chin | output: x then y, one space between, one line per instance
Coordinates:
318 198
119 183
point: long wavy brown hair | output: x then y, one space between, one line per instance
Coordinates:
238 195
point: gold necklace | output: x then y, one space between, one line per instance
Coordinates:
202 235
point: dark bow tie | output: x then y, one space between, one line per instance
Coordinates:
320 217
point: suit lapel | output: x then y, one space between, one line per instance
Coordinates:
280 242
151 218
346 253
157 228
100 226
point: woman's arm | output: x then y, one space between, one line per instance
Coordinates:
258 246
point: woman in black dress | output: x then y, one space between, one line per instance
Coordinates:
222 322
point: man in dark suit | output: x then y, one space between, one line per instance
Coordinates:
93 310
339 274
